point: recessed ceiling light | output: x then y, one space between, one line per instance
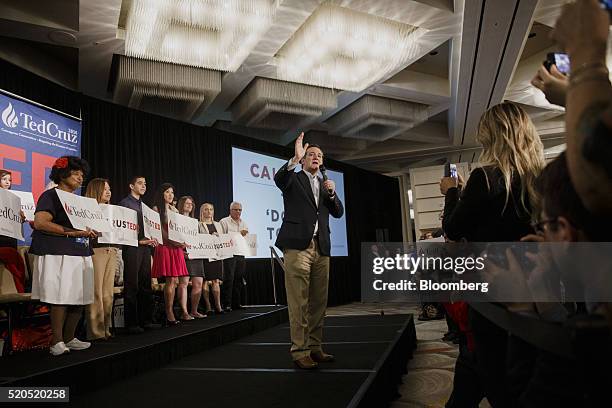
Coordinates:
345 49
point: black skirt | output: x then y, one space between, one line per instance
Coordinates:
195 267
213 270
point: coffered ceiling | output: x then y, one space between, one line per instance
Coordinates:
385 85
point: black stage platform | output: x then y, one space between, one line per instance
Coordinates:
245 370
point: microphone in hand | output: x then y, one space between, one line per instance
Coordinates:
323 171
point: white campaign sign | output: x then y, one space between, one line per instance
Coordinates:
27 203
181 228
203 246
251 240
152 224
225 247
83 212
10 219
124 226
244 245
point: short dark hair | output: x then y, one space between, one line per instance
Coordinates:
560 199
313 145
4 173
134 178
61 171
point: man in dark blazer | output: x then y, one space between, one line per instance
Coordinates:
304 240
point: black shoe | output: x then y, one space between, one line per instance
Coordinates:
219 312
135 330
170 323
151 326
228 309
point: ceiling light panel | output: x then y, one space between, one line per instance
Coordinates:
214 34
345 49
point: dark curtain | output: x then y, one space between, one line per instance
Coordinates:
120 143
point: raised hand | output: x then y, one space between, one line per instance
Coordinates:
300 150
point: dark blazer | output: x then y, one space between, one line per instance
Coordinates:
477 213
301 212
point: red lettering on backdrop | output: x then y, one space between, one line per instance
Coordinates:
40 163
12 153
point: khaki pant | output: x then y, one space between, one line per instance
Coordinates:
306 282
99 312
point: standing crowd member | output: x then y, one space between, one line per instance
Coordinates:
304 238
495 206
138 295
63 274
168 260
195 267
8 245
213 270
105 263
234 267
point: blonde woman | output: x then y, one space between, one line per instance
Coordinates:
186 207
212 269
496 205
105 263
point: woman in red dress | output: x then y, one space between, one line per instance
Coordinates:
168 260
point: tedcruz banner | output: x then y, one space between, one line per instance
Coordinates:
152 224
31 139
181 228
27 203
10 219
83 212
124 226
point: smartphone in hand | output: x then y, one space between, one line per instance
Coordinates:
559 59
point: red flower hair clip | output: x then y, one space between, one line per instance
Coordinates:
61 163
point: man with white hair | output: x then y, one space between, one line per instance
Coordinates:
233 268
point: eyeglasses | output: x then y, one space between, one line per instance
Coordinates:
539 227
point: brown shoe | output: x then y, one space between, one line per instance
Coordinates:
321 357
305 363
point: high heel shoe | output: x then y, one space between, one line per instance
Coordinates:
171 323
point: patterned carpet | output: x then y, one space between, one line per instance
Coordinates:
429 381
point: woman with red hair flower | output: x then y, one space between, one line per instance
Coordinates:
63 274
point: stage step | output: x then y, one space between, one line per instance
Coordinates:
126 356
256 371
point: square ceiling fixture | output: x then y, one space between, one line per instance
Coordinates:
172 90
378 119
214 34
345 49
273 104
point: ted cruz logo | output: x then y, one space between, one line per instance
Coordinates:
43 127
9 116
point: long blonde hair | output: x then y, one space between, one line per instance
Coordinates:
511 143
202 212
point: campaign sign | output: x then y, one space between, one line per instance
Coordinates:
203 246
244 245
27 203
181 228
83 212
10 219
225 246
124 226
152 224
